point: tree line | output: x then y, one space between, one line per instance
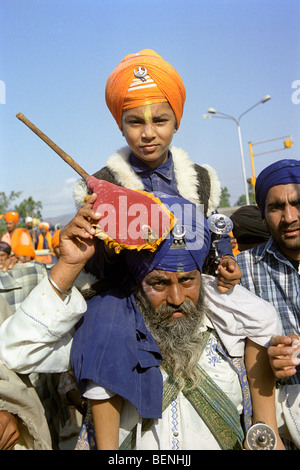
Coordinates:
225 198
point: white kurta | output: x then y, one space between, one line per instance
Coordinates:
39 336
181 428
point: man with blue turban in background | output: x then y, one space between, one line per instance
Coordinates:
272 270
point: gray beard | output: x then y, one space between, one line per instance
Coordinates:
179 339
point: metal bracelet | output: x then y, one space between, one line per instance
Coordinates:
58 288
261 437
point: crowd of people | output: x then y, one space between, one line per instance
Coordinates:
35 242
155 344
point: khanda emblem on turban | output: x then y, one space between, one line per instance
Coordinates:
178 232
140 73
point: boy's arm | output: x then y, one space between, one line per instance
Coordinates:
228 274
262 387
106 416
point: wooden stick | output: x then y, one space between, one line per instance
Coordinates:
54 147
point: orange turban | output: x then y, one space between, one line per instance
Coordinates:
11 217
24 250
144 78
55 239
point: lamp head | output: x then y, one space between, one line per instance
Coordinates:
265 98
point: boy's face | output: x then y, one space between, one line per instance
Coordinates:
149 131
3 256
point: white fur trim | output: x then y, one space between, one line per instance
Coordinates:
80 191
84 281
126 176
186 175
215 189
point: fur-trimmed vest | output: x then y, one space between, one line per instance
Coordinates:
198 184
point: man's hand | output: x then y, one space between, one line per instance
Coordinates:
283 352
77 244
229 274
77 241
9 433
8 264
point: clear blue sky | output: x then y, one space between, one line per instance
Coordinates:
55 57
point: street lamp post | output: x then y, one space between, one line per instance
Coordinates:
219 114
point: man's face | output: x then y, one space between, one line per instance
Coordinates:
172 288
23 258
282 216
149 131
173 308
10 225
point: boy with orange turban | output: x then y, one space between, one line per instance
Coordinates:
146 97
15 236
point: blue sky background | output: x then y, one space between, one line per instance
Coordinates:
56 55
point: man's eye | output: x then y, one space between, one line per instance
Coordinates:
135 122
186 280
295 203
158 284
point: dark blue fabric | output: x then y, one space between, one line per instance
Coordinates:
281 172
113 348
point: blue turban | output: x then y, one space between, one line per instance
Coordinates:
281 172
175 254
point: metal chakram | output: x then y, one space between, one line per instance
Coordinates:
220 224
261 437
